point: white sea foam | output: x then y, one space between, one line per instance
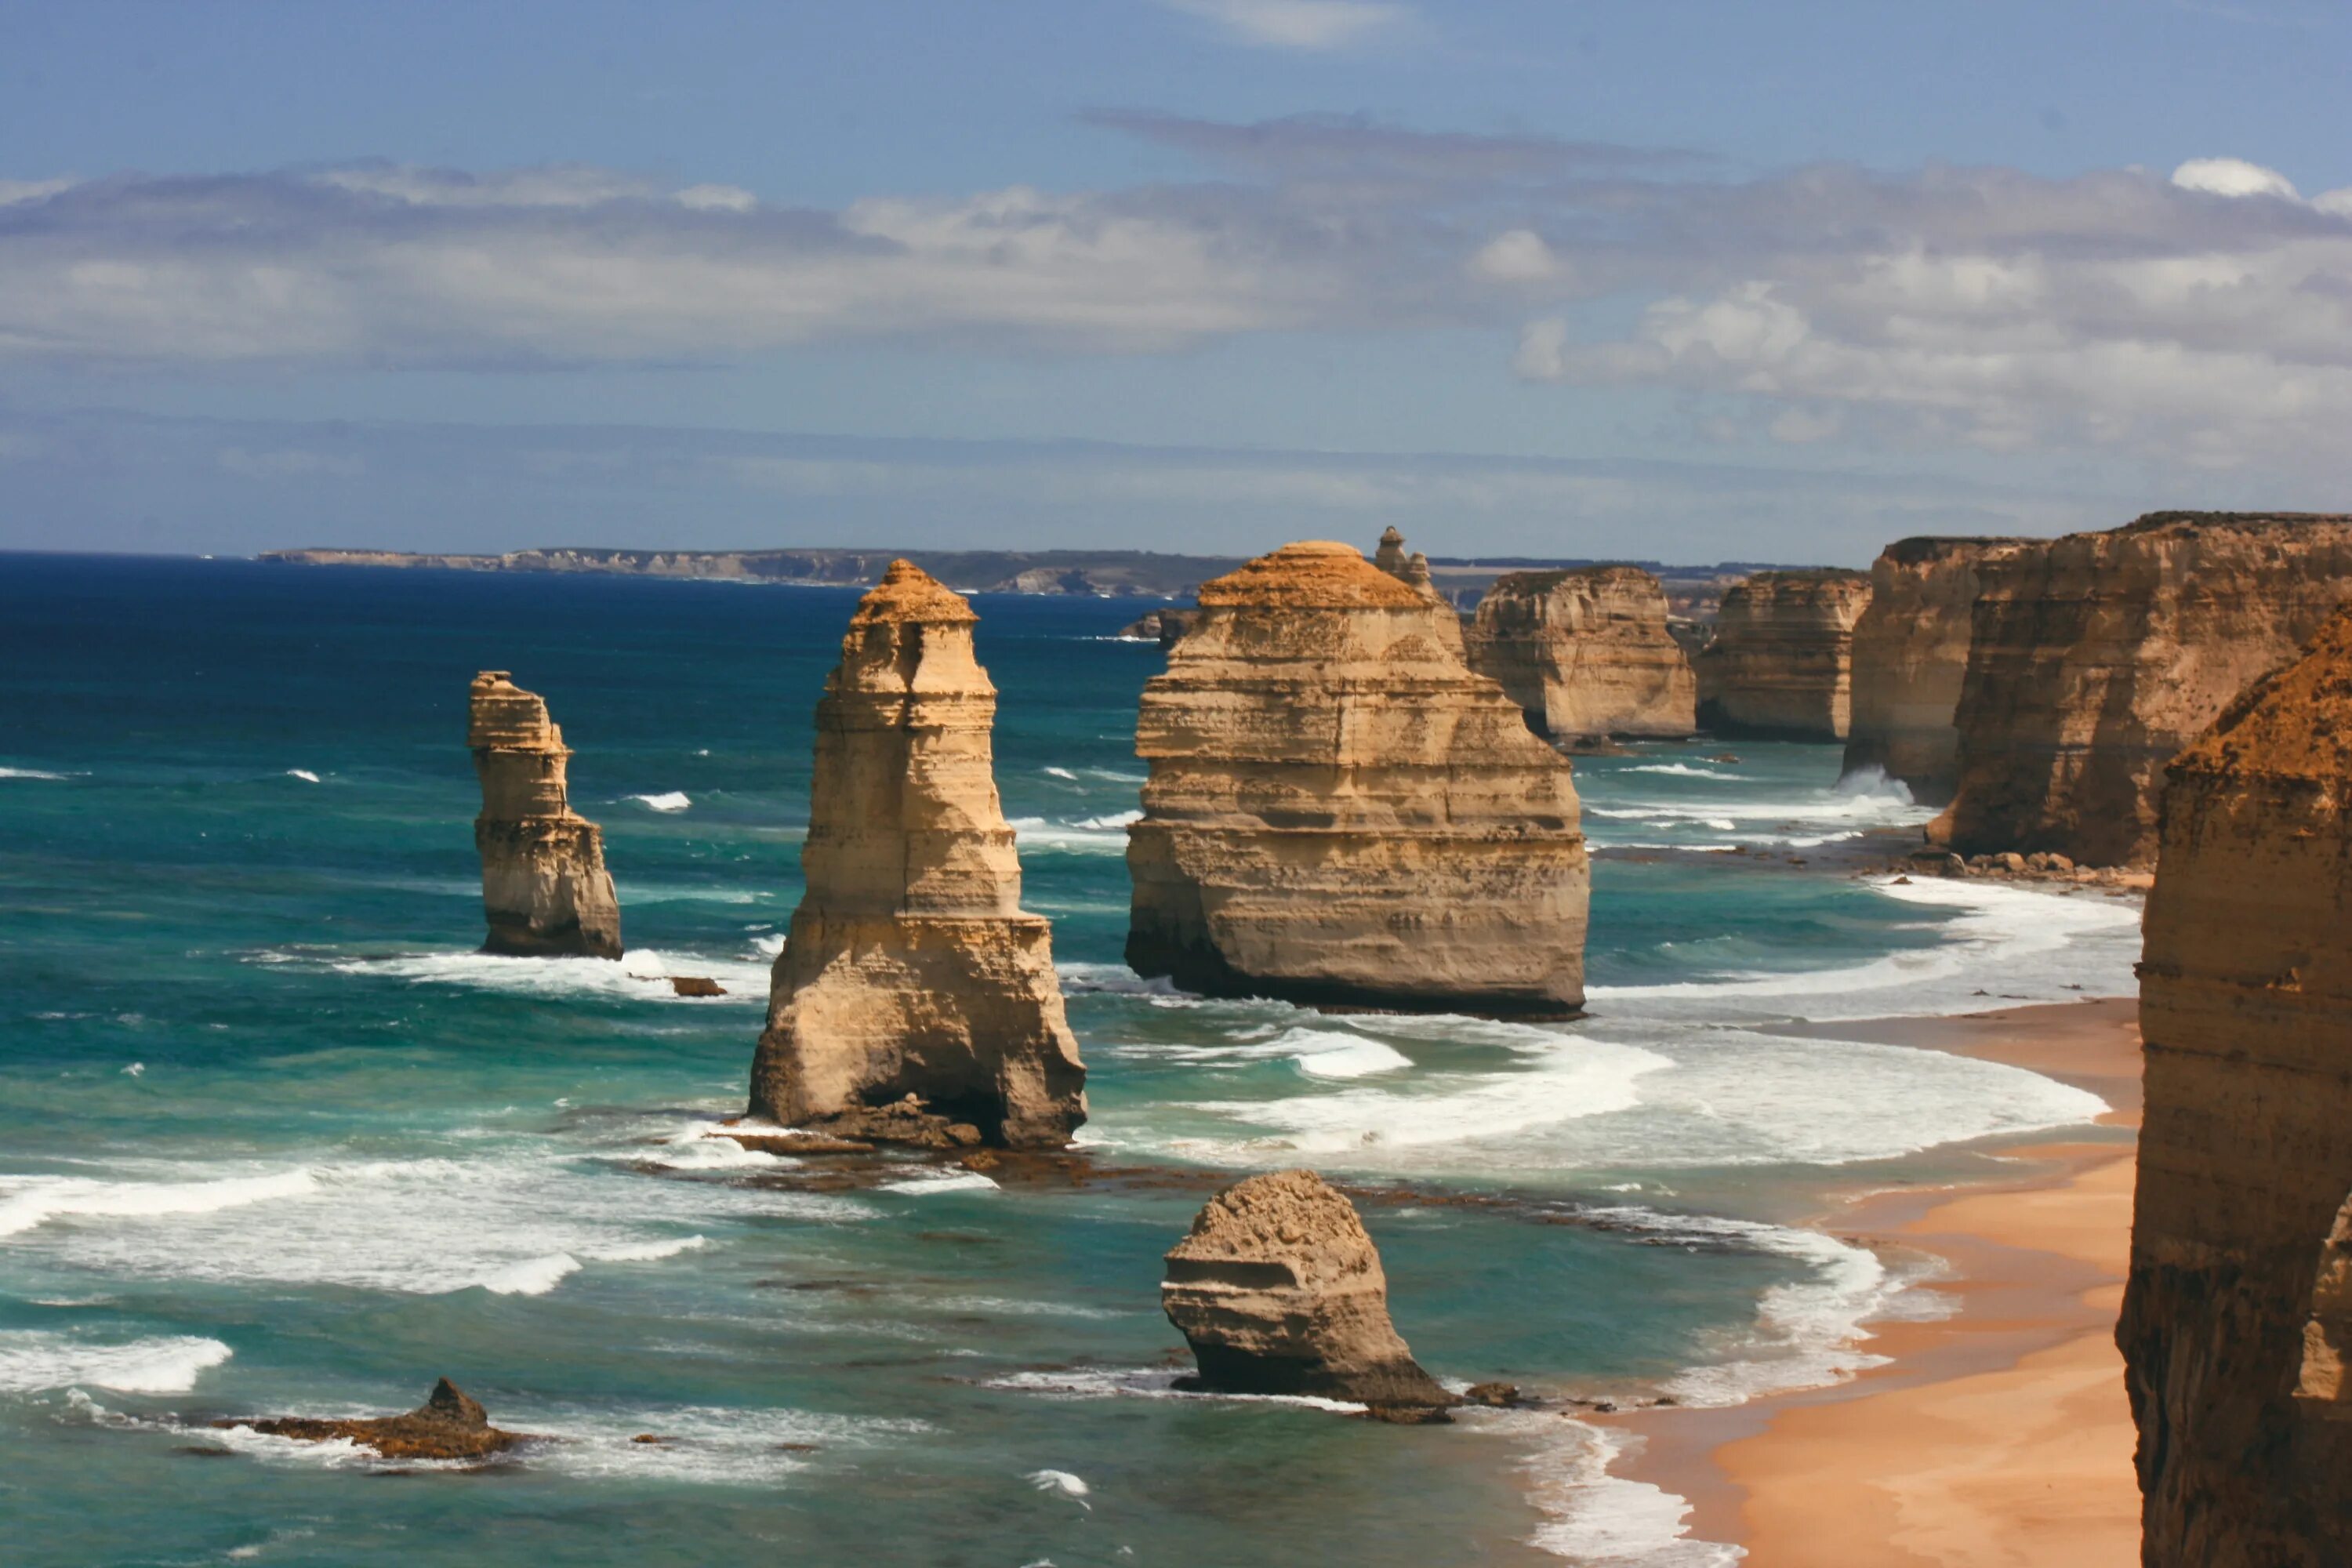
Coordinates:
1063 773
1035 833
34 774
1116 820
1680 770
700 1444
1594 1516
35 1359
1147 1383
531 1277
642 975
668 800
32 1201
945 1182
1358 1058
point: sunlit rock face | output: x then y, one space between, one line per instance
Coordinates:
1340 811
1782 662
910 968
2238 1314
2095 658
544 887
1910 657
1586 653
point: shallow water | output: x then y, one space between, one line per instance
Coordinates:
273 1138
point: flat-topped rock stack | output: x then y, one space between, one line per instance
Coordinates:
1586 652
1781 661
544 887
1340 811
2238 1315
1910 658
2095 658
910 969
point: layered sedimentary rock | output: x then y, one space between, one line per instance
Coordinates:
544 886
449 1424
910 969
2235 1319
1278 1290
1781 661
1340 811
1910 655
2095 657
1586 652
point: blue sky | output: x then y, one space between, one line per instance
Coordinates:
1680 280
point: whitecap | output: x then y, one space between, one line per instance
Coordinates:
531 1277
950 1181
668 800
33 773
1037 832
37 1359
1680 770
1063 773
37 1200
305 775
1598 1518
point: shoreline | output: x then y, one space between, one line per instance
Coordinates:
1998 1434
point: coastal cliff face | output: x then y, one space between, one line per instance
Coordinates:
1782 662
1910 656
544 886
1586 652
910 969
2234 1321
1340 811
2095 657
1278 1290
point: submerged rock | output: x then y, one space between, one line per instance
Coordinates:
1586 652
1910 657
2237 1314
1781 661
544 886
447 1425
1278 1290
1340 811
914 997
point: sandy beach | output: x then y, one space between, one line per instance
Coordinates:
1999 1435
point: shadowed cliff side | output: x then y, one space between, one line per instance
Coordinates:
544 886
1780 664
1910 658
2234 1318
1586 653
1340 811
910 969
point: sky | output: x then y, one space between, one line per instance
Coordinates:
1669 279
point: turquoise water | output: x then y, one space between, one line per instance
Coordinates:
273 1138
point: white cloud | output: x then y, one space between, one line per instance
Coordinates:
2233 177
12 191
1518 256
1296 24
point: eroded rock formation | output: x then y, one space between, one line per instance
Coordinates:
1278 1290
1910 655
2234 1318
1340 811
1781 661
544 886
1586 652
447 1425
2095 657
910 969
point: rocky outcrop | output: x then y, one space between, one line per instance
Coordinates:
1586 652
1781 661
1910 654
1278 1290
544 886
2095 657
447 1425
1340 811
2233 1319
1162 626
911 972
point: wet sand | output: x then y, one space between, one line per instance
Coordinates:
1997 1436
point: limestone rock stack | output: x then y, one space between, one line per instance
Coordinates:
2235 1318
1910 654
544 886
910 969
1782 662
1340 811
1278 1290
2095 657
1586 652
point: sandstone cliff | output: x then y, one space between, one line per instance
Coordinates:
1586 652
1910 654
544 886
2095 657
2234 1322
1780 664
1340 811
1278 1290
909 968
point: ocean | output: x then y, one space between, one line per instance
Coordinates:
275 1139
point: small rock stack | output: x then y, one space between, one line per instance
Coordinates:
544 886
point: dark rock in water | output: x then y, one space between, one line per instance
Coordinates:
448 1425
696 986
1162 626
1497 1396
1278 1290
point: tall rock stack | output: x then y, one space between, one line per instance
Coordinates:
1340 811
910 969
1782 662
1586 652
544 886
1910 655
2095 657
2236 1316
